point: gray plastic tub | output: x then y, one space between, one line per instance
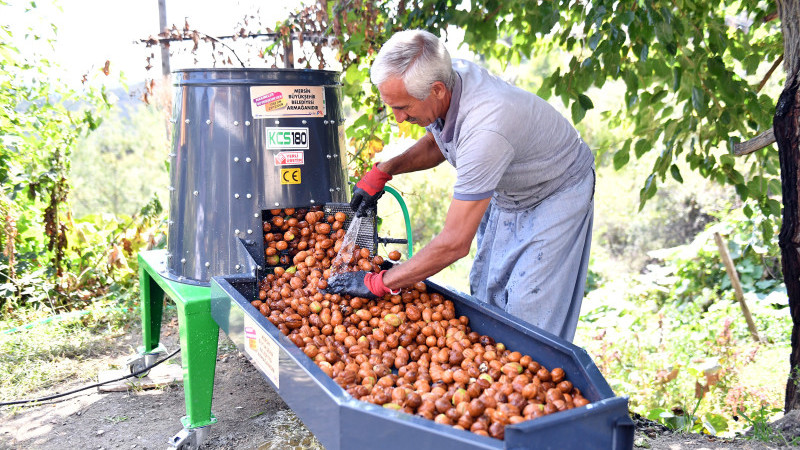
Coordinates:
341 422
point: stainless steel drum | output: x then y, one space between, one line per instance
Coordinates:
247 141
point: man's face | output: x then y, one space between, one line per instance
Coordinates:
407 108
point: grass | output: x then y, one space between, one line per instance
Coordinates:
49 354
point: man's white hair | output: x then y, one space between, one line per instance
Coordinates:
418 58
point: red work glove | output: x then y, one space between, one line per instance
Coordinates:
359 284
368 190
374 282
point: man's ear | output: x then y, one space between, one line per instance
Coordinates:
438 89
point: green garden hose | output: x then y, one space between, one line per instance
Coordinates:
406 217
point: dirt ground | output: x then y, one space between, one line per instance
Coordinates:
250 415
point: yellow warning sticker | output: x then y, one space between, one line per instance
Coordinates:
290 176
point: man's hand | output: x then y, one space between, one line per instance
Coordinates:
358 284
368 190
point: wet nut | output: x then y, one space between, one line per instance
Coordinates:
443 419
393 320
476 407
497 430
557 375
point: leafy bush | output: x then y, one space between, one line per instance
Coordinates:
696 270
675 341
52 260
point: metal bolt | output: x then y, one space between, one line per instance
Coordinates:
208 121
173 120
237 267
338 189
171 188
172 155
277 204
331 189
235 195
312 201
170 222
195 193
247 159
247 123
305 121
248 195
183 260
329 156
236 123
255 215
236 231
235 159
249 231
277 122
186 121
335 155
260 268
207 264
325 122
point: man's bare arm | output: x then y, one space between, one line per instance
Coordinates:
424 154
452 244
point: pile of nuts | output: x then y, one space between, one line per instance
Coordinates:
408 352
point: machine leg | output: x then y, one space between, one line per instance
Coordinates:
189 439
152 304
199 336
152 298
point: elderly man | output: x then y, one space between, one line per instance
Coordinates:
525 185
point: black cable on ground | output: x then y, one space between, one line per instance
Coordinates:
64 394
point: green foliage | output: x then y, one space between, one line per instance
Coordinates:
695 270
673 338
692 73
690 70
690 423
51 260
119 166
761 430
692 368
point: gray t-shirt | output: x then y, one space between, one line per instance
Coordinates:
506 142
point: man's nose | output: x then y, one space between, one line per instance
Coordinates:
400 116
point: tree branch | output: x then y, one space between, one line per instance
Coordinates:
771 16
730 267
769 73
757 143
219 41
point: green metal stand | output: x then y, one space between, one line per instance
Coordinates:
199 334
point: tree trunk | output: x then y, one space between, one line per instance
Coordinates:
786 124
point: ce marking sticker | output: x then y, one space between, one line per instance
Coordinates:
290 176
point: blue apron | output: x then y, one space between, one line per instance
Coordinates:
533 263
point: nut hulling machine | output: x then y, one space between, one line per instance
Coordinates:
250 141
